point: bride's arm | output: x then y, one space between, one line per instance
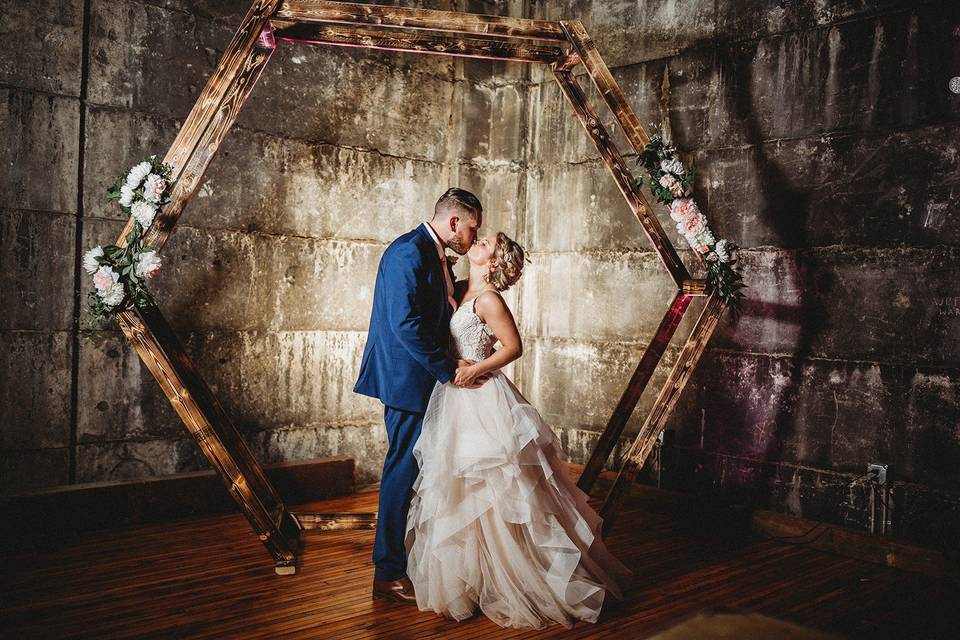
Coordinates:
492 309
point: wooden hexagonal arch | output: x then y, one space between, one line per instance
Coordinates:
562 46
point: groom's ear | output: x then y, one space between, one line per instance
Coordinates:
452 221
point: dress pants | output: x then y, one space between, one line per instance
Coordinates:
396 484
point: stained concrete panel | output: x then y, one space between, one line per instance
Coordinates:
34 390
133 459
36 270
880 190
365 442
150 59
861 75
580 208
627 32
849 305
585 401
300 378
119 400
395 110
38 162
116 139
596 295
227 280
40 44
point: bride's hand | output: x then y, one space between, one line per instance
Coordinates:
468 375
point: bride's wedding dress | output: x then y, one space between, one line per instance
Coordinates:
495 521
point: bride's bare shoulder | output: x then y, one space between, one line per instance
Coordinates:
490 304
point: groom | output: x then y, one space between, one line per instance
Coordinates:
404 357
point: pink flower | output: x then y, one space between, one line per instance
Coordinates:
104 279
694 225
153 188
683 210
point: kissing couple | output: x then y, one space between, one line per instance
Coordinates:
477 509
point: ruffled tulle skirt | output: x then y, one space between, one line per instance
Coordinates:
495 522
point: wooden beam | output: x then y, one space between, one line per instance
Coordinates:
165 357
609 88
423 42
428 19
631 395
606 85
336 520
664 404
622 176
212 116
694 287
567 63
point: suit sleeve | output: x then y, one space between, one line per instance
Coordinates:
405 271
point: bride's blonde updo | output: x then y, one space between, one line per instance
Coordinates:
509 263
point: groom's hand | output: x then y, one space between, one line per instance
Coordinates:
467 375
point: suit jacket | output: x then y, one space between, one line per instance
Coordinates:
406 350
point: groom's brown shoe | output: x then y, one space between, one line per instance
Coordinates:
400 590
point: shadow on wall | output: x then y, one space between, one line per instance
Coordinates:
752 422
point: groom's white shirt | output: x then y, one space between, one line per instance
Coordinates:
436 240
443 259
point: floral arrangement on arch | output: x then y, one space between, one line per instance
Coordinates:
120 273
671 183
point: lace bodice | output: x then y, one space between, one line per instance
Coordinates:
470 338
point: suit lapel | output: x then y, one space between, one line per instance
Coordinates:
437 267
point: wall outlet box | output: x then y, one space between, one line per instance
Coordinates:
878 472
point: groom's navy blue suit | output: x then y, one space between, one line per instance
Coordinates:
404 357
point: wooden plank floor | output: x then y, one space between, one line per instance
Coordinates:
210 578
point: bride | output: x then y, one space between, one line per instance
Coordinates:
495 521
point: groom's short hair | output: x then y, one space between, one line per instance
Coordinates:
460 198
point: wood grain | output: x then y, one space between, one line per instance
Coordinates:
204 578
662 407
631 395
204 417
600 75
336 520
449 21
622 176
424 42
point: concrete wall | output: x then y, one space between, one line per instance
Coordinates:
269 276
826 142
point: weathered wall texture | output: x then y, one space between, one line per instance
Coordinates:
269 276
826 143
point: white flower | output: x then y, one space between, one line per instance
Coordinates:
104 278
148 264
137 174
706 236
126 196
154 187
90 263
673 165
114 296
722 254
143 211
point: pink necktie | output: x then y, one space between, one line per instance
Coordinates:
446 277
